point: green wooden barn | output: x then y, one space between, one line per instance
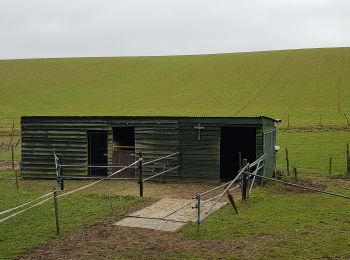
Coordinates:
207 147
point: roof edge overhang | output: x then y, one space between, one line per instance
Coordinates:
160 117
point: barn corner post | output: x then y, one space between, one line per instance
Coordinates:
141 173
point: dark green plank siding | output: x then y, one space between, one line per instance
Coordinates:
156 137
41 137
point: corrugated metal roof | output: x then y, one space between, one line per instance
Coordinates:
161 117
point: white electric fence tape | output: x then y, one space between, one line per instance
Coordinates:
20 206
61 195
24 210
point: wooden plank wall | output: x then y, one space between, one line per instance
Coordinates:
199 160
155 137
66 136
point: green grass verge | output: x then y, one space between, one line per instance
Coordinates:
37 226
284 225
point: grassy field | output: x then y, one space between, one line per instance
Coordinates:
284 224
309 151
37 226
302 83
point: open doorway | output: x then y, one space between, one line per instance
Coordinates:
97 152
234 140
124 148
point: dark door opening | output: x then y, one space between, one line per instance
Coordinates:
124 148
97 155
234 140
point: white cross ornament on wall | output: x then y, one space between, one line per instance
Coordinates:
199 128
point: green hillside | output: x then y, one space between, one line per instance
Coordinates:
308 85
302 83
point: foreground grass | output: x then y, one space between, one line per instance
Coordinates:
37 226
284 225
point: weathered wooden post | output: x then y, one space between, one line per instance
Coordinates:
198 212
230 197
295 173
287 161
60 170
347 159
244 182
17 184
13 158
55 201
141 173
330 165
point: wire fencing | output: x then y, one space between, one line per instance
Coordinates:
207 201
10 146
315 161
49 196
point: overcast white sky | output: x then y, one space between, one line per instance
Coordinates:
75 28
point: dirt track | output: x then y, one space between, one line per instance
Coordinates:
103 240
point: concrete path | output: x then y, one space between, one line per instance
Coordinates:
168 214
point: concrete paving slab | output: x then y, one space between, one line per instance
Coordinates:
162 208
158 224
168 214
188 214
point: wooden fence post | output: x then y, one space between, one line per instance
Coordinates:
60 171
198 212
17 184
330 165
13 158
230 197
295 173
347 159
287 161
141 174
56 213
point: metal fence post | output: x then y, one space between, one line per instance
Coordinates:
141 173
244 182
